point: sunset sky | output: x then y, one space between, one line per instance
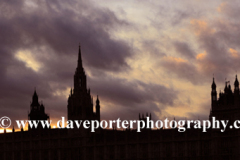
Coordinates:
139 55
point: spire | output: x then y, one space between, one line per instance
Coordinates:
35 93
225 89
35 98
213 85
80 81
97 101
98 109
214 91
79 57
229 87
236 83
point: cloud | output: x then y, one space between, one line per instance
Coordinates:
152 47
182 68
233 53
39 43
184 49
125 98
39 46
230 10
39 49
128 93
201 56
60 26
28 59
216 49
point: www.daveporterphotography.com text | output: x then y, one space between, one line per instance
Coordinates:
181 125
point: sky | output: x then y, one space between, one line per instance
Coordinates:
139 55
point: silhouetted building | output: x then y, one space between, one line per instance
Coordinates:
106 144
227 106
37 111
80 102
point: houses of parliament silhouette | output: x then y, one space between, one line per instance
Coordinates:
112 144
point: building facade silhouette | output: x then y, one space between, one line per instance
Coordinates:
106 144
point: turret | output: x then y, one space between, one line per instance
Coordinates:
236 85
37 111
42 109
35 103
236 92
229 88
98 109
226 88
214 91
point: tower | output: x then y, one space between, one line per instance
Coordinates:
214 93
236 92
37 111
226 107
213 98
80 104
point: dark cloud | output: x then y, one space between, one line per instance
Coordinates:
59 26
230 9
131 93
152 47
182 15
216 40
182 69
219 47
51 31
184 49
128 98
167 17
